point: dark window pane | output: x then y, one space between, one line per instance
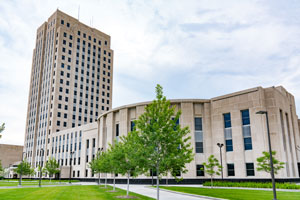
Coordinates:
198 124
199 147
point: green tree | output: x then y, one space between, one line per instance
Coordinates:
114 160
2 127
210 166
167 146
95 167
1 168
52 167
263 163
103 163
43 170
25 168
131 158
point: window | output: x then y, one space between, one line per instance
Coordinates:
132 125
228 132
117 132
230 169
200 170
198 135
78 173
246 129
86 173
94 142
62 22
87 144
250 169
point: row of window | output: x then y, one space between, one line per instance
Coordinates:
62 22
250 171
246 129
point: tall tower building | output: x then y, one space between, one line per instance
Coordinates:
70 83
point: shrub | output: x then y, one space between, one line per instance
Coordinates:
253 185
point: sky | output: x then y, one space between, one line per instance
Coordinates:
194 49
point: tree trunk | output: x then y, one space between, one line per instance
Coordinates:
99 180
114 181
106 180
167 179
157 182
152 176
128 174
211 182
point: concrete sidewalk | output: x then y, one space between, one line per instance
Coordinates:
163 194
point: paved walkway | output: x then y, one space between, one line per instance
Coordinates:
163 194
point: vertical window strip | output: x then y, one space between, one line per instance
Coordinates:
246 129
228 132
117 132
198 135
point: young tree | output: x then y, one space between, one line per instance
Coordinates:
210 166
103 163
52 167
263 163
94 165
25 168
114 160
165 143
2 127
131 158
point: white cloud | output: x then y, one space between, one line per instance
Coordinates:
195 49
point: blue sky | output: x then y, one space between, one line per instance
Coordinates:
194 49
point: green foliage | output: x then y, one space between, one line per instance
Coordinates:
210 166
52 167
2 127
131 155
44 171
101 163
25 168
253 184
263 163
115 155
94 164
1 168
166 145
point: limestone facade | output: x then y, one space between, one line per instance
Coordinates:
70 83
229 119
9 154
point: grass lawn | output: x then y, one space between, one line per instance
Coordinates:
236 194
31 182
64 193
